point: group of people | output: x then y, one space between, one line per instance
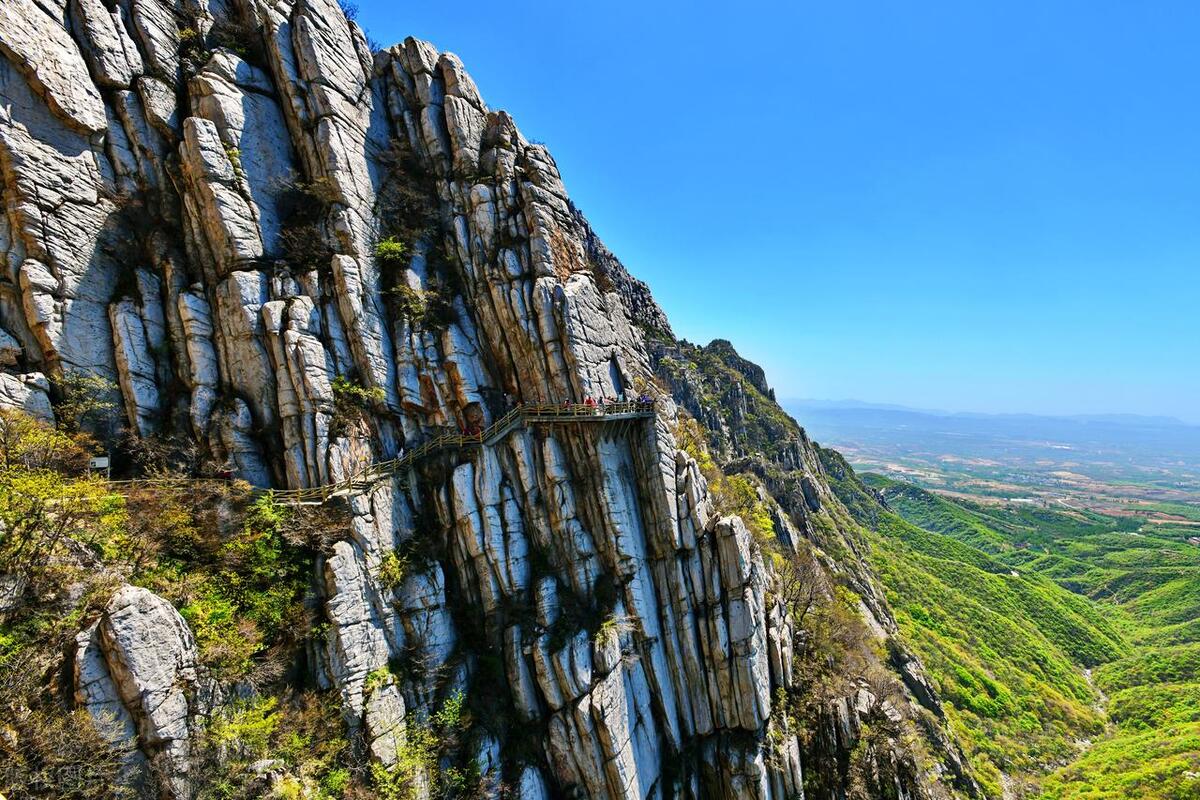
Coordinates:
642 399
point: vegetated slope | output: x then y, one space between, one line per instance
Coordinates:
1006 649
1007 608
1141 581
284 255
114 568
291 255
761 462
1005 652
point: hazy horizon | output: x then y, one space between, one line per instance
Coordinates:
989 207
884 405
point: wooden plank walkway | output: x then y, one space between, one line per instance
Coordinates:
520 416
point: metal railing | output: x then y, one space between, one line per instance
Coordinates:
519 416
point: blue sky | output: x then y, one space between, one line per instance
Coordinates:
987 206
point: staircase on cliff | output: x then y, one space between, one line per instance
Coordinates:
232 210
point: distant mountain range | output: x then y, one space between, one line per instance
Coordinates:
1133 420
1115 445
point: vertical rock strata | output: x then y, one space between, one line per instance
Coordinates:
196 218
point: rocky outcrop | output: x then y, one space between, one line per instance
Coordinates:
137 675
744 425
195 196
611 274
29 393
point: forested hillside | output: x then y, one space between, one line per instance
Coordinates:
1058 641
1117 598
305 491
299 271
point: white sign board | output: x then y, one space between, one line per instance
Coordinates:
99 462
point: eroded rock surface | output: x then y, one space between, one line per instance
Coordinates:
137 675
202 227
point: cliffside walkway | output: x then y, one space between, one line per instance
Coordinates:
520 416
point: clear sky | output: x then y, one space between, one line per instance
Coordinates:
990 205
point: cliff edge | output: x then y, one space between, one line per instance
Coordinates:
300 257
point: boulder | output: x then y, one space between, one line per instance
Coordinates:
151 661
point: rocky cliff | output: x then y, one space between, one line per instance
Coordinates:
304 257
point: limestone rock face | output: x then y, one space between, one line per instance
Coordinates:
39 46
136 674
10 349
203 228
750 433
29 393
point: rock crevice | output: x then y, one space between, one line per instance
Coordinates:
200 222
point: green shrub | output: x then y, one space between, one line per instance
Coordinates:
393 567
392 253
611 628
355 394
86 401
352 402
304 733
192 50
417 758
377 678
247 725
433 308
336 782
235 159
251 594
449 717
226 643
410 302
